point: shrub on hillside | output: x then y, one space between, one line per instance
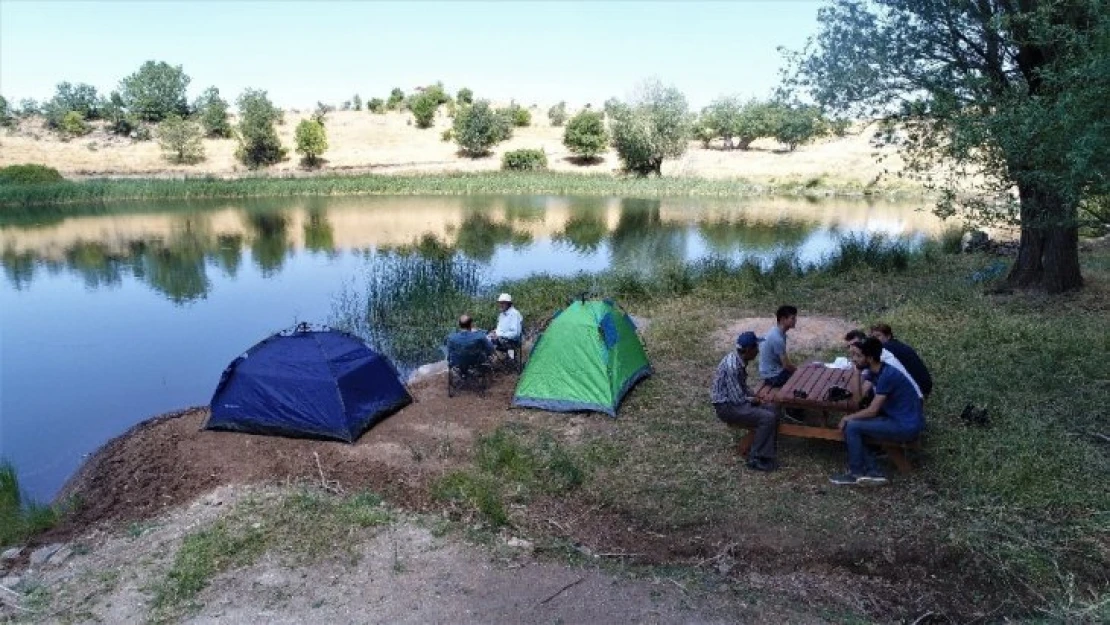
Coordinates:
424 108
447 135
396 99
311 141
180 140
586 136
557 114
524 160
356 103
6 118
29 173
73 124
478 127
518 116
259 144
464 96
212 111
375 105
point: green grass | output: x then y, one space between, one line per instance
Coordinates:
19 520
303 526
1014 516
13 196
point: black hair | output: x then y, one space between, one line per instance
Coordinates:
785 311
855 335
871 347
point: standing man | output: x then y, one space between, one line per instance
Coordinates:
775 366
907 356
895 414
735 403
510 325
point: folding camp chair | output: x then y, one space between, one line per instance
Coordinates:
468 367
513 359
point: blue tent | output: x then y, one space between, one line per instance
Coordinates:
308 383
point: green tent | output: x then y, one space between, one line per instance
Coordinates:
587 359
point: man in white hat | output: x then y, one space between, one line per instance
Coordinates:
510 325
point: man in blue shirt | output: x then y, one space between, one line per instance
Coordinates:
906 355
466 346
775 366
895 414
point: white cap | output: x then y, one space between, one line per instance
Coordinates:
505 297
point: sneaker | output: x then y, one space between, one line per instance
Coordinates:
762 464
845 479
876 479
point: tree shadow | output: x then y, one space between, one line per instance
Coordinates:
313 164
584 161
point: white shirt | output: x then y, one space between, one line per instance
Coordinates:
892 360
510 324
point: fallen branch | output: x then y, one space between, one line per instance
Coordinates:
563 589
332 486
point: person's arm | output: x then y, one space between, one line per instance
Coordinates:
515 327
741 373
869 412
787 363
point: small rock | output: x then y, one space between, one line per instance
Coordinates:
42 554
520 543
10 582
11 554
724 567
61 555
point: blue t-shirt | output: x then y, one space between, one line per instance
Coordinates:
771 352
902 403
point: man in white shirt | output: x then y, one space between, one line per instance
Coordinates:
510 325
887 359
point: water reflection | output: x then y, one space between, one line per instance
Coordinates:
179 250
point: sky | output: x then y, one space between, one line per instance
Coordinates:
304 52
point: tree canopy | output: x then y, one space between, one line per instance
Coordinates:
654 126
1015 90
156 91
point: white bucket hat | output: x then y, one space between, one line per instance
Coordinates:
505 297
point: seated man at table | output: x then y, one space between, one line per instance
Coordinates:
510 325
855 336
894 415
736 404
775 367
907 356
467 347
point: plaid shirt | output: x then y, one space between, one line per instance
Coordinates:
730 386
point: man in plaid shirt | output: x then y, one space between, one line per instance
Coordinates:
736 404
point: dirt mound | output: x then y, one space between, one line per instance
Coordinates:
812 335
170 460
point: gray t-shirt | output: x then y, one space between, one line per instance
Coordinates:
771 352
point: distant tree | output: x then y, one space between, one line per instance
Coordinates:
29 107
259 144
757 120
585 135
120 122
212 111
356 103
73 124
465 96
557 114
375 105
321 113
653 127
478 127
721 117
517 115
1012 92
795 125
180 139
312 140
6 117
424 107
703 131
613 107
156 91
80 97
438 93
396 99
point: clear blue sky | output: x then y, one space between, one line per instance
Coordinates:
302 52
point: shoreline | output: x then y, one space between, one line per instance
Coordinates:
109 190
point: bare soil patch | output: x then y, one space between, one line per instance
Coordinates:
811 336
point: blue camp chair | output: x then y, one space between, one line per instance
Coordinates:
468 363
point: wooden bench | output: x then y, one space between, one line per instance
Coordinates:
814 381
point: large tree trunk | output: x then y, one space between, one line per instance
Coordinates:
1048 257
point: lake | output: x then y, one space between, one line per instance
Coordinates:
111 316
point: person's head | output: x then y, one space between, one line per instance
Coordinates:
853 336
466 323
882 332
504 301
866 353
748 345
786 317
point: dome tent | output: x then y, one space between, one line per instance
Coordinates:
587 359
308 383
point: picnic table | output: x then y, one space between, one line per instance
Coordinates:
808 389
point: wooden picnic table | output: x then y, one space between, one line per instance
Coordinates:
808 389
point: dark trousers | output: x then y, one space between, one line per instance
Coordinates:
779 379
861 460
759 418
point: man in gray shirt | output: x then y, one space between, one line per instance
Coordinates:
775 366
735 403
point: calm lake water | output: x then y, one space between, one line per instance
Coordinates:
109 319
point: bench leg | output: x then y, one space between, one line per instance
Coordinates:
897 455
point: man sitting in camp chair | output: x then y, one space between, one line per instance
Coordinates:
508 336
468 352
